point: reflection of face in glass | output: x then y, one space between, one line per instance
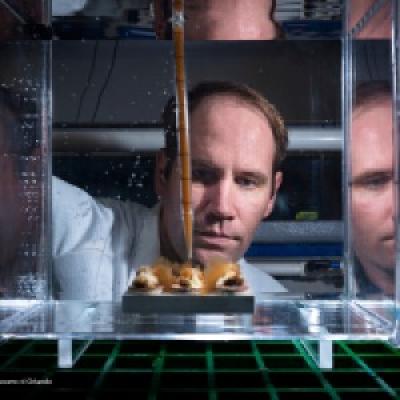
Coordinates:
28 11
373 191
232 154
225 20
379 26
19 194
8 24
10 202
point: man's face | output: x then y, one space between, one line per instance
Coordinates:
232 153
228 20
373 191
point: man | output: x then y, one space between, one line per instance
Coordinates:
220 20
238 141
372 190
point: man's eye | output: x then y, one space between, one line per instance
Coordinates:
246 182
203 176
375 183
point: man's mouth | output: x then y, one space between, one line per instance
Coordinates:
388 237
215 239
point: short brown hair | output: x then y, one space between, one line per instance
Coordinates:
372 92
237 90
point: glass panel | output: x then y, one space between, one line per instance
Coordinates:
310 68
302 80
372 176
371 157
23 173
24 19
273 320
112 19
108 99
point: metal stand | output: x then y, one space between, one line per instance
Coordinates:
65 352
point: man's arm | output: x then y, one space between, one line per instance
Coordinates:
78 220
81 245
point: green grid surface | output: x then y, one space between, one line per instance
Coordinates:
199 370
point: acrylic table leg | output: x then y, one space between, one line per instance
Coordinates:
325 354
322 353
66 356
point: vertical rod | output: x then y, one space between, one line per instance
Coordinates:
182 123
347 101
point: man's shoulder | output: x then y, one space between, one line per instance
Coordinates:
126 207
64 193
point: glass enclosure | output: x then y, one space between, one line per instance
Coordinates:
371 154
24 174
93 167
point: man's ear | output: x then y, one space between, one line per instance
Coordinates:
278 181
160 179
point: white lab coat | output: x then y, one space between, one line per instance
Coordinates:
98 244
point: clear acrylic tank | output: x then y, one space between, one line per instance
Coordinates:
81 97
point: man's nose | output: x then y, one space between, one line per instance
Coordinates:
221 201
